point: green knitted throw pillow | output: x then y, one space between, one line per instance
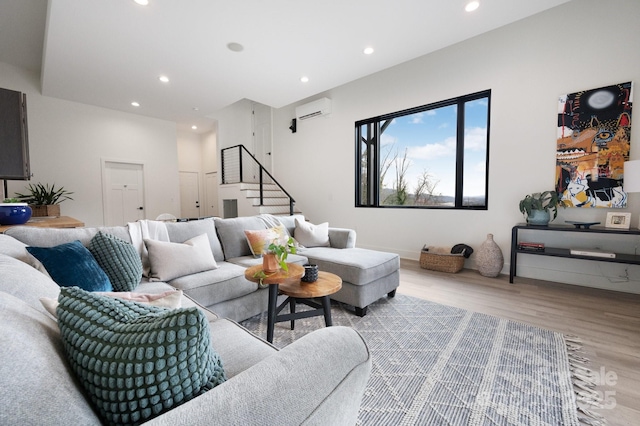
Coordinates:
136 361
119 259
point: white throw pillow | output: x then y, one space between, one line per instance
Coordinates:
173 260
310 235
171 299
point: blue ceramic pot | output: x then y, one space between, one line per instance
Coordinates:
539 217
14 213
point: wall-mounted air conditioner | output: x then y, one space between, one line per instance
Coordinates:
313 109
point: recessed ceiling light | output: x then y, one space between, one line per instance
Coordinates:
135 104
235 47
472 5
304 79
142 2
163 78
194 127
368 50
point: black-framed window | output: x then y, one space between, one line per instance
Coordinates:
432 156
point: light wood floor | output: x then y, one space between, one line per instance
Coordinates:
607 322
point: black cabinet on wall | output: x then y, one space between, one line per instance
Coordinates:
14 140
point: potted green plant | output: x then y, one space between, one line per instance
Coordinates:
45 199
537 207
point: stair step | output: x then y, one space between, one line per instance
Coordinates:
250 193
256 186
282 210
269 201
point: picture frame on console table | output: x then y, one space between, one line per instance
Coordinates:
618 220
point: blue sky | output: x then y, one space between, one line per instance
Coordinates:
430 140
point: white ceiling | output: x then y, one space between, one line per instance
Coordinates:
110 52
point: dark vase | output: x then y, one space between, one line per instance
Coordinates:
310 273
14 213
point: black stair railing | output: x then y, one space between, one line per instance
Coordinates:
240 166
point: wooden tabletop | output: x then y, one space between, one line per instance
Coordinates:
49 222
281 277
326 284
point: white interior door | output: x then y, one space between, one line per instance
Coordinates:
123 192
189 195
211 194
262 134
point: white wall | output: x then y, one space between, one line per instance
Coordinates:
198 153
527 65
68 140
234 125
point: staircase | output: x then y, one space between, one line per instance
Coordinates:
274 200
239 166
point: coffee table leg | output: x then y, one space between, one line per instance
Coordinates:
292 309
271 312
326 306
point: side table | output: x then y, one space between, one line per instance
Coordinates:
274 280
288 283
303 292
48 222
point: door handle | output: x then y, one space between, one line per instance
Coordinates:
140 208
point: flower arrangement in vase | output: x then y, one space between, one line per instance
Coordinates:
279 252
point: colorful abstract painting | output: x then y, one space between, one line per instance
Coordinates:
594 136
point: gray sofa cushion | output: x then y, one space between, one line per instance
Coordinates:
238 348
49 237
179 232
37 387
26 283
289 222
232 237
355 265
17 249
211 287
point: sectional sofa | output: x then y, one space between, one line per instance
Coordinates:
43 381
367 275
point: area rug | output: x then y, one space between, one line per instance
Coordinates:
438 365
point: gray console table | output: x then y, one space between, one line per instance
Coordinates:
565 252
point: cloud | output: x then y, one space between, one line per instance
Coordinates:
388 140
433 150
416 118
484 102
480 167
475 139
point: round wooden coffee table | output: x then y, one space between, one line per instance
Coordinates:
289 284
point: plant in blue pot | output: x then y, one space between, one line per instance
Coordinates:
537 207
14 212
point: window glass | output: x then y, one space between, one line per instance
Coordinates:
434 156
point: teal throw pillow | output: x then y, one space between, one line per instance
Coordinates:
119 259
72 264
136 361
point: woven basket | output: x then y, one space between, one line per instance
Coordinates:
451 263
